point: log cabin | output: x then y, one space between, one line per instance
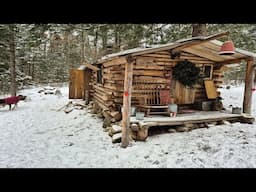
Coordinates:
142 78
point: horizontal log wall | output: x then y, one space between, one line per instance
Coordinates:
152 72
218 77
149 72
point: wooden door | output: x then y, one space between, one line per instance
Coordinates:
182 94
76 84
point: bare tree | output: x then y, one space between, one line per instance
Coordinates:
199 30
13 88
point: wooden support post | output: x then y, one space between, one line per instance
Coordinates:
247 103
127 102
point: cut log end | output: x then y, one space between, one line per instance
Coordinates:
117 138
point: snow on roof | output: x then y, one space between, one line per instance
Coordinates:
134 50
171 46
81 67
152 47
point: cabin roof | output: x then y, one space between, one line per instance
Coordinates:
89 66
206 47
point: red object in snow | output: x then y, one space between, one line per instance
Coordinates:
12 100
253 89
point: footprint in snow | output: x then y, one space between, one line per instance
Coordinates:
69 144
146 157
156 162
179 161
40 132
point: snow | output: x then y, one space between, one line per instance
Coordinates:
36 135
171 46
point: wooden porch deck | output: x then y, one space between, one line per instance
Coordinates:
191 120
180 119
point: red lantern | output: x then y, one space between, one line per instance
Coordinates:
227 48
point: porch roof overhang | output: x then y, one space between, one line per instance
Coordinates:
88 66
205 47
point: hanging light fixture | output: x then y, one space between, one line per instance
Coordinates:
227 48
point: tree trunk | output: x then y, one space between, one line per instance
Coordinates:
33 68
45 49
12 60
199 30
96 44
29 69
117 39
104 40
82 47
69 63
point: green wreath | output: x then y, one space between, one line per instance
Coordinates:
186 73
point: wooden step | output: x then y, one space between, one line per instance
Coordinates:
158 113
154 107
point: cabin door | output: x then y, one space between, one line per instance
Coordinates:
76 84
182 94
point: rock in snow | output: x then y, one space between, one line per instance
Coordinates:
117 138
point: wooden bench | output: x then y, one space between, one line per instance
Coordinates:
153 101
148 109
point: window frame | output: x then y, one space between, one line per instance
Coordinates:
211 71
99 78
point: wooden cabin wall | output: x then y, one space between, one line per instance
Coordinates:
218 78
162 61
105 94
217 75
149 71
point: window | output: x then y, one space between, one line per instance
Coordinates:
99 75
207 71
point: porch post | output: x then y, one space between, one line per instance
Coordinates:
127 102
249 78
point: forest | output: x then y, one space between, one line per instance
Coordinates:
173 98
44 53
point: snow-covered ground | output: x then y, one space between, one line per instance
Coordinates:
36 135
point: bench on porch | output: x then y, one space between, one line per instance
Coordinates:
155 101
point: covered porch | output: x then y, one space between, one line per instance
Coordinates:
205 48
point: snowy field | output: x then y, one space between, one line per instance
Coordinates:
35 135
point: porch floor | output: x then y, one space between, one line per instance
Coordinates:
196 117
